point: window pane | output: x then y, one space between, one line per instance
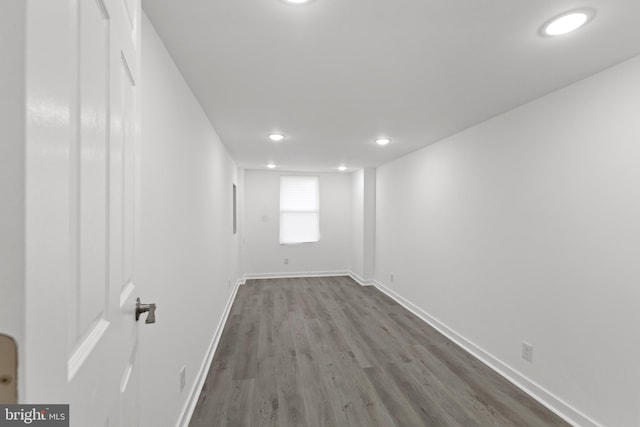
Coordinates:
299 209
299 193
299 227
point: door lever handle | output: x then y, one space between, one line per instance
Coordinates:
146 308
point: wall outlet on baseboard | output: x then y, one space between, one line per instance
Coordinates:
286 260
391 277
527 351
183 377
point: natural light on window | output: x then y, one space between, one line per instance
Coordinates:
299 209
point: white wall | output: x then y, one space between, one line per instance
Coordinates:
527 227
264 254
363 191
12 170
189 258
357 223
241 228
369 224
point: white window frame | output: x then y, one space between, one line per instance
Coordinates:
315 211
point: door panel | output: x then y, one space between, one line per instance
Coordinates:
92 176
133 12
103 363
129 393
129 151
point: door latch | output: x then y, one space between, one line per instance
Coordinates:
146 308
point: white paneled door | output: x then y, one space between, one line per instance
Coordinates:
82 223
103 360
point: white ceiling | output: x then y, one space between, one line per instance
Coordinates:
333 75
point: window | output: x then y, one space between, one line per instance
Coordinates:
299 209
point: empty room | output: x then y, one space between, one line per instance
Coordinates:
320 213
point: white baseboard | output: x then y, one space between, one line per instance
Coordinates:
290 275
194 393
360 280
539 393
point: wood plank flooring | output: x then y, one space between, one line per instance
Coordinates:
329 352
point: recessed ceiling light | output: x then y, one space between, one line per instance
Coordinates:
383 141
342 168
276 137
271 166
297 1
567 22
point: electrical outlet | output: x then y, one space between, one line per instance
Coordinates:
183 378
286 260
527 351
391 277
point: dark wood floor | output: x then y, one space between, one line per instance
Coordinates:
328 352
